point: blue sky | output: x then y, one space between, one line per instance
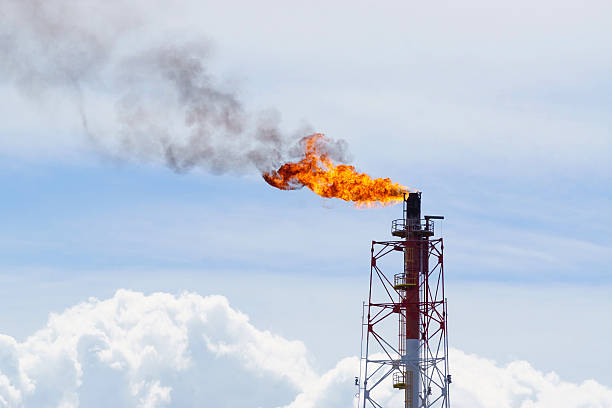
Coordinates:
499 113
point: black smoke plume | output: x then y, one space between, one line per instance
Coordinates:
167 105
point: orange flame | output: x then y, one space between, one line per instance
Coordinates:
318 172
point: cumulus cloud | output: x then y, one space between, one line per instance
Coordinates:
483 383
163 350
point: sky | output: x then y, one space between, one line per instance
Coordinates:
178 287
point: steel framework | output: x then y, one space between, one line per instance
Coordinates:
415 299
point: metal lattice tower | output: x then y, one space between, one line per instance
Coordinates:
408 304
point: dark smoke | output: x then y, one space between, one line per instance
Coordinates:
210 126
167 106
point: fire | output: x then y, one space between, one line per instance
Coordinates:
319 173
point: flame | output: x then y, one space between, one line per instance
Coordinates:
319 173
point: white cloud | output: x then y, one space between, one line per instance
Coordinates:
482 383
162 350
142 348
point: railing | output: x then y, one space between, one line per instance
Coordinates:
398 379
400 280
412 225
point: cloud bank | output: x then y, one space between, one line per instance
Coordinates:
163 350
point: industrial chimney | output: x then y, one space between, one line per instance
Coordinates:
414 298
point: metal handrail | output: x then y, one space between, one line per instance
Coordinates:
399 378
412 225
